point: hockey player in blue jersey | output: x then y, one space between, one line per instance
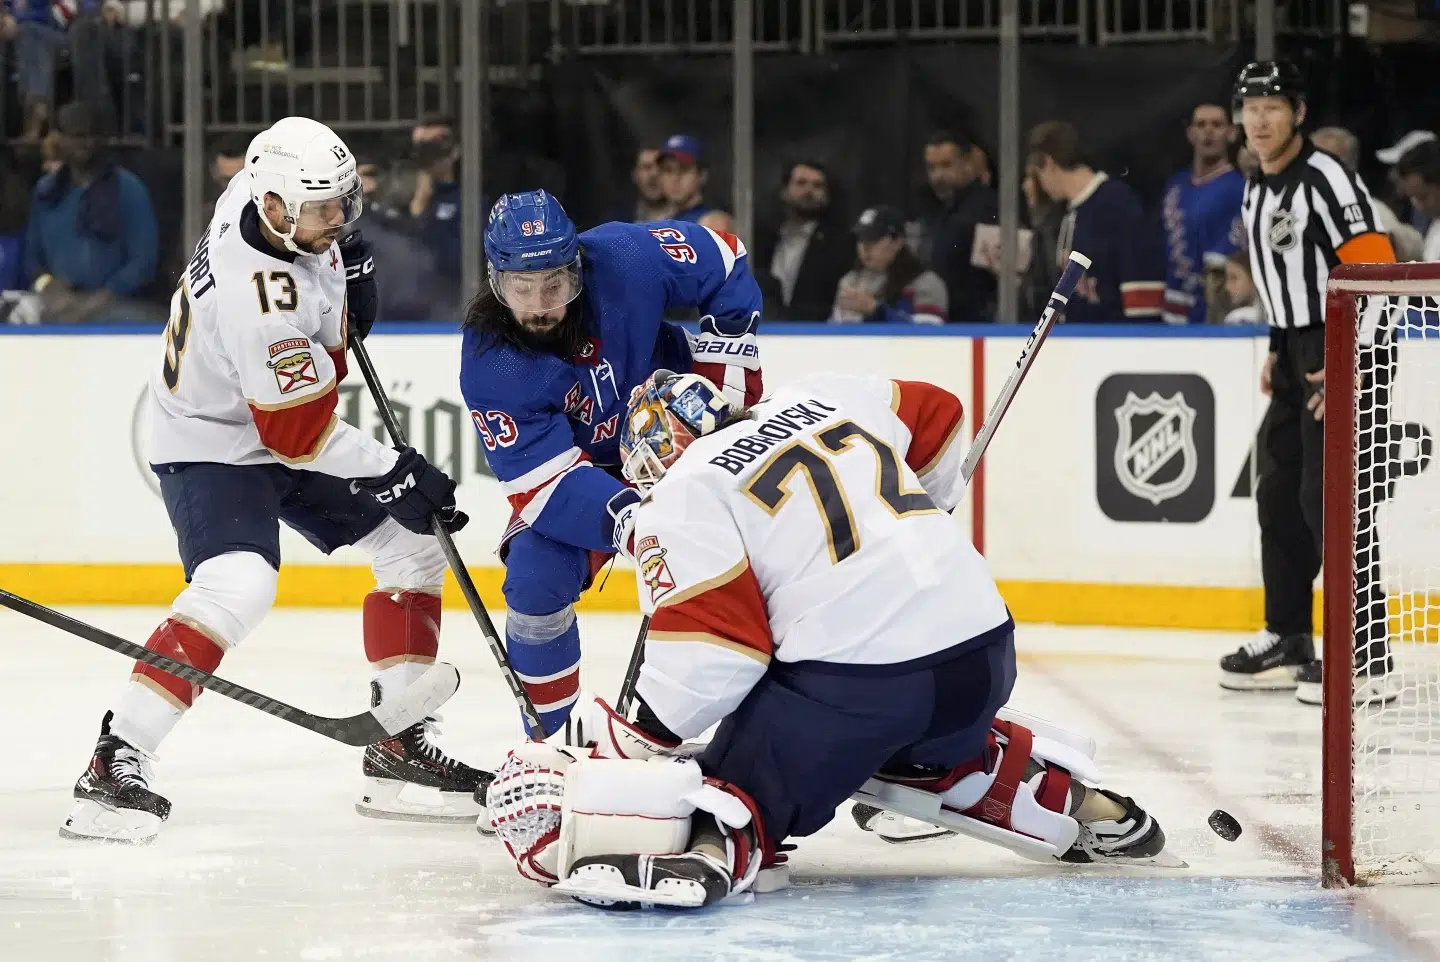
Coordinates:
553 345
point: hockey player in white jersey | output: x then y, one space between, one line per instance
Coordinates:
244 435
810 593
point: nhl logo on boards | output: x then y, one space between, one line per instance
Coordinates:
1281 232
1168 438
1155 447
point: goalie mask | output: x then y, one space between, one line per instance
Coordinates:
666 413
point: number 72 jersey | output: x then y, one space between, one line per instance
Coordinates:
816 530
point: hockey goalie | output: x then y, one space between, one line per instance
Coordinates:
812 600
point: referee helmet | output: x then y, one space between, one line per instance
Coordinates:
1268 78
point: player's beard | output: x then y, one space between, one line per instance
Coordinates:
486 314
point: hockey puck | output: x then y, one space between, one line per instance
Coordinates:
1224 825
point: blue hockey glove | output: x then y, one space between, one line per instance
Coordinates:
362 295
413 491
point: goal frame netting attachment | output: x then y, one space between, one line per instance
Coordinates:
1347 286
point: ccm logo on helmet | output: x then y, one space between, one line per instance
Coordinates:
397 490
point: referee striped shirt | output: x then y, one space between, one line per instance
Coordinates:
1298 223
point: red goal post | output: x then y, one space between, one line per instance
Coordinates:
1380 819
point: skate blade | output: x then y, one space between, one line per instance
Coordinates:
398 801
1162 860
1272 679
904 830
89 821
607 888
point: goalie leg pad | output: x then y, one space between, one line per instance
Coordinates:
654 832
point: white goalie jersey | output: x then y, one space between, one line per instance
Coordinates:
815 531
253 352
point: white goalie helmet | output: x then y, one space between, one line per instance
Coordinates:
306 165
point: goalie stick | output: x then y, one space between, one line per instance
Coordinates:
452 554
1075 268
389 718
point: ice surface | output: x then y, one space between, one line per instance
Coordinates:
264 857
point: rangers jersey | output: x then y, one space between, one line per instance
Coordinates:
252 355
546 421
815 530
1107 223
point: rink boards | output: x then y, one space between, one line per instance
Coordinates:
1119 489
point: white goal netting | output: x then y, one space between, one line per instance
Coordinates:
1395 748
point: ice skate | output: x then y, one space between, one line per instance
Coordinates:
410 779
1374 684
1124 833
113 801
1266 663
623 883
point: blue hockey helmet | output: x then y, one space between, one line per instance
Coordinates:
533 253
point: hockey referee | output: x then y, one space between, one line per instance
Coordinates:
1303 213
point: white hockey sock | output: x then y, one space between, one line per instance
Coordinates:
400 676
143 718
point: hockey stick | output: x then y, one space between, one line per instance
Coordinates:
1075 268
390 717
452 555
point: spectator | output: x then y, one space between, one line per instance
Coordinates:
435 205
1044 217
683 175
227 158
1104 221
1201 216
1390 156
650 202
91 239
808 252
1409 244
889 284
14 201
1244 302
958 199
1419 174
411 287
42 31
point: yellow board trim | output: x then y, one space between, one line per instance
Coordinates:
1035 602
301 586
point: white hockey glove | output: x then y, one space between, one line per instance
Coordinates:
728 354
614 737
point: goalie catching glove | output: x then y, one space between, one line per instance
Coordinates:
624 833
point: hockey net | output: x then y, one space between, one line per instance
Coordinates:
1381 809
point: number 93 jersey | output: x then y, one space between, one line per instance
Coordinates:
815 530
252 354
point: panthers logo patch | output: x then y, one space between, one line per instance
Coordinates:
294 372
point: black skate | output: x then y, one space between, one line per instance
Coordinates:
623 883
408 777
1374 683
113 801
1268 663
1133 837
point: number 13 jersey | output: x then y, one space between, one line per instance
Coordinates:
816 530
252 355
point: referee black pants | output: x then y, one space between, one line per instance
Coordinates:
1289 494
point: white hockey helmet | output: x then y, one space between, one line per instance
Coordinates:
310 169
